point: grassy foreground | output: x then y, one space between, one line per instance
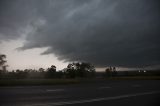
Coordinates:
135 78
28 82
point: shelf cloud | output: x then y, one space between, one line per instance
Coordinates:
103 32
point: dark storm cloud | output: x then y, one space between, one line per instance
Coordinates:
11 19
103 32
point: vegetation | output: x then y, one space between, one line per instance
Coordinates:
85 70
2 63
28 82
73 70
73 73
135 78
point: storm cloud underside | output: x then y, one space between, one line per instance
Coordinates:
103 32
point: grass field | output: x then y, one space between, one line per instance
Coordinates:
135 78
28 82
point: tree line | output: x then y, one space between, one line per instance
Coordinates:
73 70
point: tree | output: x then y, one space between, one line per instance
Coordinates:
108 72
2 62
114 72
41 70
51 72
80 70
70 72
87 70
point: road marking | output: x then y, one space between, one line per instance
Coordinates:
136 85
97 99
105 87
54 90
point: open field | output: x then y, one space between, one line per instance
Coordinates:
135 78
28 82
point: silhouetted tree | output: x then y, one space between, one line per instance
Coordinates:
2 62
114 72
51 72
2 59
20 74
80 70
87 70
41 70
108 72
70 71
3 66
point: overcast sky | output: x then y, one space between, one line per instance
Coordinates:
123 33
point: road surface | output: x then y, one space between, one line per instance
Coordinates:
100 93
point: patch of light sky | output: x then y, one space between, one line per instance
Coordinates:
28 59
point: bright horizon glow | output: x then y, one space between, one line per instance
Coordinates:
28 59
